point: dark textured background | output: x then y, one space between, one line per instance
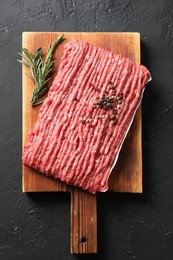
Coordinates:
130 226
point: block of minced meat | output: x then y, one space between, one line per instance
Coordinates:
85 118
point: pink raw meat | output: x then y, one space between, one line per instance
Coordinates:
86 116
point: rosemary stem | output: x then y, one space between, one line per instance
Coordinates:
40 70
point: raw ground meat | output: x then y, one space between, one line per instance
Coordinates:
83 121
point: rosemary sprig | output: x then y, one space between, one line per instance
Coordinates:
40 70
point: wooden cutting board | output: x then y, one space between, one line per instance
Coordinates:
127 174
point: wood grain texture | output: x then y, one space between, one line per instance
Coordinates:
125 177
83 222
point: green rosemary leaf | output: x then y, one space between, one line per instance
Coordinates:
28 54
40 70
23 62
37 102
23 56
43 91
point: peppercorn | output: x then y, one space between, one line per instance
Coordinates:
112 117
81 119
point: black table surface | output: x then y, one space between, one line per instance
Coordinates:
130 226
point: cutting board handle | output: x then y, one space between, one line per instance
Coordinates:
83 222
